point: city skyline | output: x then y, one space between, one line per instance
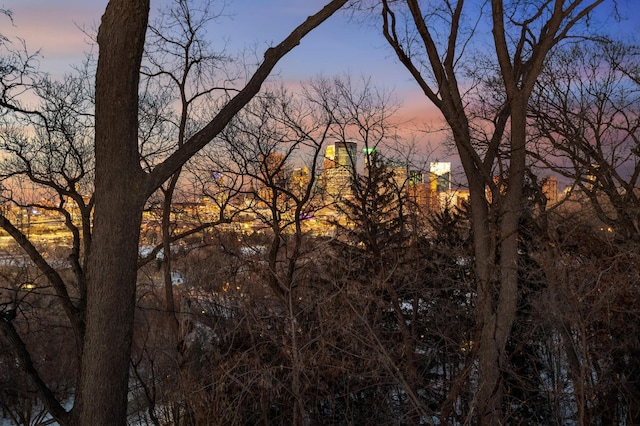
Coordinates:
344 45
164 279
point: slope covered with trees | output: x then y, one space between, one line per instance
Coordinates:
205 271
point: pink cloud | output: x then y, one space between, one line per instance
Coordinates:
53 28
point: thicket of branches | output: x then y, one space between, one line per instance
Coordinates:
246 314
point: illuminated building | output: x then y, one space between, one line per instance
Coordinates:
369 154
439 185
416 177
416 189
400 174
341 154
299 179
339 170
330 157
346 154
440 177
453 198
338 183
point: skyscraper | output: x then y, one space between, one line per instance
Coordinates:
440 177
369 156
330 157
346 154
339 169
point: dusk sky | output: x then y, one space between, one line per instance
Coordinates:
337 47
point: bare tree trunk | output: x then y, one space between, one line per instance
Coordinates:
497 306
121 189
298 413
167 260
495 224
102 396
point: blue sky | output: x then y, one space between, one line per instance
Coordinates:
339 46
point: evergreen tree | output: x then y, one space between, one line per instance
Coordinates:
375 210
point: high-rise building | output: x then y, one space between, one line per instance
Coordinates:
330 157
416 177
369 156
337 183
440 177
400 174
299 180
339 169
346 154
416 189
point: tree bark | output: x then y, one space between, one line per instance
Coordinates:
167 260
497 306
121 189
495 223
103 388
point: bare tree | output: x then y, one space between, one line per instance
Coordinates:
112 268
121 190
300 292
587 125
589 323
47 171
181 65
431 41
277 144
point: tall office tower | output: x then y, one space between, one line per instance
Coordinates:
330 157
416 189
346 154
416 177
299 180
337 184
400 173
440 177
339 170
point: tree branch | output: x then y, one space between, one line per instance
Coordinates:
271 57
26 363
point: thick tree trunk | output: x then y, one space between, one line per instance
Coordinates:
102 394
110 306
121 189
488 395
484 229
495 226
